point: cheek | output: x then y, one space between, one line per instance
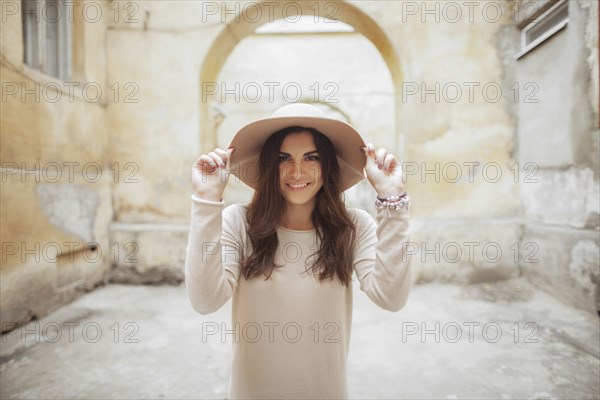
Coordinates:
313 172
287 172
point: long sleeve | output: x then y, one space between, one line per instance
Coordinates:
212 262
380 260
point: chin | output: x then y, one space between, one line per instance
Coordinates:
299 200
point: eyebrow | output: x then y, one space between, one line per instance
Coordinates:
305 154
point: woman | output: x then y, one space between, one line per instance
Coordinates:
286 258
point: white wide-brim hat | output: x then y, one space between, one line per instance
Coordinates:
249 140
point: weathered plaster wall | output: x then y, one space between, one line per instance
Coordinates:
56 182
559 134
161 54
454 136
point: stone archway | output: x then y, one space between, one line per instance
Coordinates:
238 29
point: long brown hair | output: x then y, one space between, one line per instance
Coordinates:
333 223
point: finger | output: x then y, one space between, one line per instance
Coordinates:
223 155
220 152
228 157
198 162
216 158
370 148
204 159
365 150
381 152
205 163
368 151
389 163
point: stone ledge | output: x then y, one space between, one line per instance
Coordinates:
148 253
568 264
469 237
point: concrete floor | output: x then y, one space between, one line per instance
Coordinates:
150 347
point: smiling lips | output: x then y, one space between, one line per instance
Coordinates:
297 187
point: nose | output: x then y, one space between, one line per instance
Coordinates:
292 171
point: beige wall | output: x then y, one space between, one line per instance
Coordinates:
560 135
56 182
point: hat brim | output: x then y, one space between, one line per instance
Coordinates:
249 140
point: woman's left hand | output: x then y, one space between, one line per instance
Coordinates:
383 171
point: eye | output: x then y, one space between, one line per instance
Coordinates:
282 158
313 158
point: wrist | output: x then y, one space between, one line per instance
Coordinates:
389 193
209 196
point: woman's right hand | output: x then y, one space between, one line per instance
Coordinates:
210 175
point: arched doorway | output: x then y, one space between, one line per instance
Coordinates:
258 15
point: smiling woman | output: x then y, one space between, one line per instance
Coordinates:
300 176
316 205
295 247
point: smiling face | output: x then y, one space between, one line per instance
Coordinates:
299 168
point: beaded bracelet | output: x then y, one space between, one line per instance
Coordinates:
395 203
392 198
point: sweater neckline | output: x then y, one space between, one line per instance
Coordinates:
293 230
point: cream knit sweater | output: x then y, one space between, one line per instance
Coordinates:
290 334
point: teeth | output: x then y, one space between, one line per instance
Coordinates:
299 186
